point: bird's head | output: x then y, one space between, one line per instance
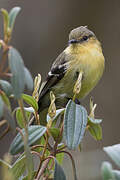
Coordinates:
82 36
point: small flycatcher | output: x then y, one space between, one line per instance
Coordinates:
83 54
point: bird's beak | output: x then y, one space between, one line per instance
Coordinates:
72 41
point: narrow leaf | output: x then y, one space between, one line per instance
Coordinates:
35 132
75 122
58 172
30 100
95 131
1 107
6 86
28 79
18 75
114 153
12 16
107 171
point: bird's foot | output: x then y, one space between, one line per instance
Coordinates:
77 101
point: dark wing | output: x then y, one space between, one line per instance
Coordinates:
56 73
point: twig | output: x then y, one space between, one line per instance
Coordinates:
61 148
73 163
53 162
36 153
52 157
43 153
36 146
42 169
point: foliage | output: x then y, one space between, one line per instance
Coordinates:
69 123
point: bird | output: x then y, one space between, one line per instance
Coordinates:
83 54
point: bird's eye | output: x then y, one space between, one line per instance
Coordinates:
85 38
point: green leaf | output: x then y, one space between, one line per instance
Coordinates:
75 122
58 172
8 116
30 100
6 86
6 20
12 16
5 99
95 131
35 132
94 121
19 167
116 174
18 75
28 79
55 134
114 153
19 117
107 173
1 107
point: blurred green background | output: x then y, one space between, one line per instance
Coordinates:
41 33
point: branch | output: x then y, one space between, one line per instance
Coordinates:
73 163
44 166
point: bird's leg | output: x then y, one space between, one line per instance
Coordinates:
77 101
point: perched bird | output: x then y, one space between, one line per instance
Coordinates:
83 53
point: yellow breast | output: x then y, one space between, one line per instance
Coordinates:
89 59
